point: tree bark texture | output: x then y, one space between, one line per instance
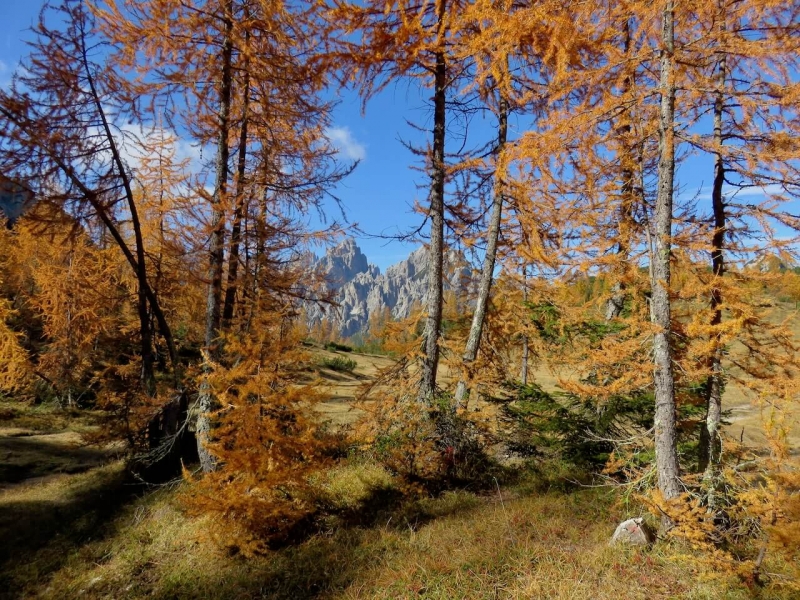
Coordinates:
487 269
665 419
217 243
433 321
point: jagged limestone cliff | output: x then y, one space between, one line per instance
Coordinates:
361 290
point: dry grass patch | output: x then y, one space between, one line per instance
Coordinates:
459 545
23 418
39 441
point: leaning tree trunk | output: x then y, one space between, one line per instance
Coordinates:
101 209
487 271
710 443
217 244
433 321
145 332
665 420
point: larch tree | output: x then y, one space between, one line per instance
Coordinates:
216 259
236 74
183 44
490 257
60 133
231 283
78 291
500 87
160 187
588 162
381 43
14 359
743 76
667 466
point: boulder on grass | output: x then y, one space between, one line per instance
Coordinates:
634 532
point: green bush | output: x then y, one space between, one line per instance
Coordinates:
339 363
334 347
582 431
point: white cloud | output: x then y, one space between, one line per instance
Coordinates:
5 76
136 142
341 138
756 192
748 192
192 152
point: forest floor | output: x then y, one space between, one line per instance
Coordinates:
95 539
94 535
73 525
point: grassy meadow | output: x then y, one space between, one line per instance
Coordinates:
75 525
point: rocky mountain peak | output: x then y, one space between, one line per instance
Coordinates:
343 262
361 290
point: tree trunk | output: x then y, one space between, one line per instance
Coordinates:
433 322
710 443
236 228
217 244
523 375
617 300
665 425
487 270
147 376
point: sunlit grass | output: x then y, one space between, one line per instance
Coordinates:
512 543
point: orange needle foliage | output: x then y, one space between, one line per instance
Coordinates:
635 290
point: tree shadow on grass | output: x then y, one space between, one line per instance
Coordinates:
41 525
322 557
41 455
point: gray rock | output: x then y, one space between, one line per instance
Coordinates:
634 532
361 290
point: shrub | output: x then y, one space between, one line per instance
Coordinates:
334 347
339 363
585 431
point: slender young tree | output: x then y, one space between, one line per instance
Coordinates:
435 295
742 76
217 241
626 150
63 94
232 283
492 237
523 374
710 443
403 41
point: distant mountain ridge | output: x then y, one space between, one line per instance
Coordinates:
361 290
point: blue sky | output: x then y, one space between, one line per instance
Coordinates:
380 194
